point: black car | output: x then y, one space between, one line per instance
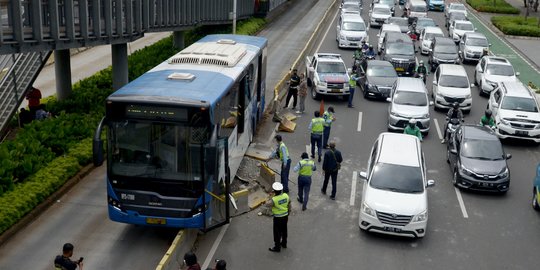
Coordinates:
443 51
398 49
377 78
403 23
455 16
477 160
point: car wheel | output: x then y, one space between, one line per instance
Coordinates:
535 204
455 178
314 93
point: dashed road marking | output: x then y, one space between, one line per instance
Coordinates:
438 128
461 204
359 128
353 188
215 246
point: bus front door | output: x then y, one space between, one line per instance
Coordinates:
217 185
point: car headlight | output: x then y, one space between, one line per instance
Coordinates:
393 113
367 210
373 88
468 96
469 52
504 121
464 170
436 60
342 37
537 126
425 116
504 173
420 217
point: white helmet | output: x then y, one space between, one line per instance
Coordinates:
277 186
412 121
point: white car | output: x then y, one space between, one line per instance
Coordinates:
394 197
351 31
459 28
426 37
327 75
516 111
451 84
385 28
472 46
455 7
379 14
491 70
350 8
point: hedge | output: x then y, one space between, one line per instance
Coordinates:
517 25
45 154
500 6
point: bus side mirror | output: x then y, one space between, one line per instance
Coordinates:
97 145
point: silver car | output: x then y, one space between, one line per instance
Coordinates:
408 100
472 46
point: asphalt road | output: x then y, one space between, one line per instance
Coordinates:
80 217
482 232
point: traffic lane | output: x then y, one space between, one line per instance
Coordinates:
80 217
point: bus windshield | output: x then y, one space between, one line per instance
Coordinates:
169 151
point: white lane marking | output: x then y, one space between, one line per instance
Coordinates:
461 204
438 128
215 246
308 148
326 32
359 128
353 187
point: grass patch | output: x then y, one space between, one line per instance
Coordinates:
493 6
517 25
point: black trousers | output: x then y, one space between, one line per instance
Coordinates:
327 176
293 92
280 231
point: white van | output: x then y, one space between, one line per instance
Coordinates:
351 31
394 198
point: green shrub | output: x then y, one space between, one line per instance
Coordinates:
493 6
517 25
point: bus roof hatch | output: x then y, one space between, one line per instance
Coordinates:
210 53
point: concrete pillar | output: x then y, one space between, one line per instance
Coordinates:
119 65
62 69
178 39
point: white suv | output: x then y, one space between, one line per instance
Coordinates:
394 198
491 70
327 75
379 14
451 84
351 31
515 110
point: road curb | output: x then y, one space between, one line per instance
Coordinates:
42 207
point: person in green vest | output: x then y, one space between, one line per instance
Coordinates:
412 129
316 127
282 153
487 119
352 87
305 168
280 210
329 118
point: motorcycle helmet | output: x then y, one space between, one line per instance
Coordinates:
412 122
421 62
488 113
455 105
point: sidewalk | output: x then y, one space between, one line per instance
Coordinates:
523 50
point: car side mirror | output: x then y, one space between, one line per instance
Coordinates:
461 42
489 44
431 103
388 99
349 70
475 29
430 49
363 175
430 183
378 35
459 52
472 85
517 73
434 82
508 156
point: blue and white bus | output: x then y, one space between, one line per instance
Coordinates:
177 133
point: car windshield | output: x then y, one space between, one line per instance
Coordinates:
454 81
457 16
397 178
398 21
519 104
482 149
500 70
445 49
430 36
424 22
354 26
390 3
410 98
381 11
464 26
400 48
331 67
457 7
381 71
481 42
419 8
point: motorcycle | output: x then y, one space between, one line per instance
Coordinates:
421 76
451 126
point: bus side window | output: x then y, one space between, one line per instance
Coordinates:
227 112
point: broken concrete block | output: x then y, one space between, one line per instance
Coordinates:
287 125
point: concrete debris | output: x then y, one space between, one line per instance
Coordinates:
286 125
259 151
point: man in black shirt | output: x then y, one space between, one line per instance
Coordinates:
293 89
63 262
331 166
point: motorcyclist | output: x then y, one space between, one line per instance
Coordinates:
421 69
370 53
364 46
412 129
487 119
454 113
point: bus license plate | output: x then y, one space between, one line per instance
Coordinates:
392 229
156 221
400 69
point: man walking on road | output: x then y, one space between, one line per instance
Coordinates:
280 210
293 89
331 166
352 87
282 153
316 126
305 167
328 119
